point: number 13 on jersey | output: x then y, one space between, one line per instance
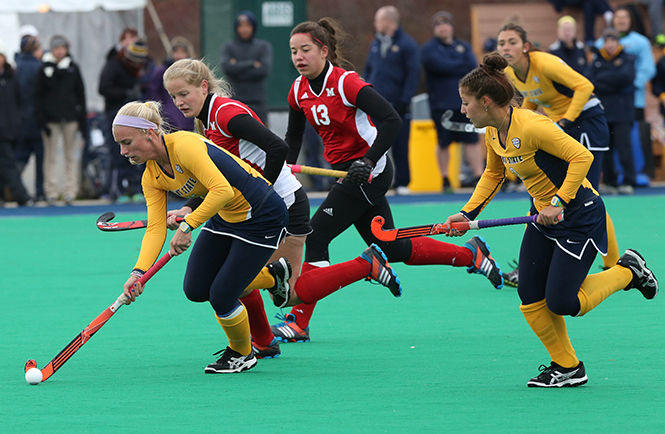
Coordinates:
320 114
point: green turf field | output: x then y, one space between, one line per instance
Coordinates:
451 355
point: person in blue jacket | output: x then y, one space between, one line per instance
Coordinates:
446 60
393 68
645 69
612 72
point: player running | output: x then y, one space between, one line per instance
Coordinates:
558 250
339 104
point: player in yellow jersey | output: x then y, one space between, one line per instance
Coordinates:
545 81
245 220
556 252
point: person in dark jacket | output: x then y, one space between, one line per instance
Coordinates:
60 111
27 67
10 126
612 72
567 47
181 48
246 62
446 60
393 68
120 83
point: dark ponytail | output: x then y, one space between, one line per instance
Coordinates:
326 32
489 79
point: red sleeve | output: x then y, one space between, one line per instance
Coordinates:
226 111
292 98
352 85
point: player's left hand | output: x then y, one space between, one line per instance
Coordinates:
180 242
360 171
550 215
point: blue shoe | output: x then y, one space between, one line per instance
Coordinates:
380 270
483 263
288 330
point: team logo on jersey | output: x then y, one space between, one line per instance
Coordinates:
186 188
178 168
304 95
212 125
330 91
516 142
536 79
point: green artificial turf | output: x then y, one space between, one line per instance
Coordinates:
451 355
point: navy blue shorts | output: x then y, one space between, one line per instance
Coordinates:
452 126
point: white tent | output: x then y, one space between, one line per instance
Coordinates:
91 26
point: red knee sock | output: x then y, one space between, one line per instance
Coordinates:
319 282
258 321
303 312
427 251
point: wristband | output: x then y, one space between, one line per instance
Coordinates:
137 273
556 201
185 227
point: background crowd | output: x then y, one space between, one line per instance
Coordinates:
43 103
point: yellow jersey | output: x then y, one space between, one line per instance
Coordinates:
230 187
553 85
547 160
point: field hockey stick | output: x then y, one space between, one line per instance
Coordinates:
309 170
104 223
441 228
93 327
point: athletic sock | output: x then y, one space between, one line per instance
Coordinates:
610 260
303 312
559 324
263 280
597 287
554 338
428 251
236 327
258 321
313 285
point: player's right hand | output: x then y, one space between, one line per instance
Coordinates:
459 217
171 222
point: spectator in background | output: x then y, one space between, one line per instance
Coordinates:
655 12
10 125
645 69
181 48
567 47
393 68
60 112
120 83
246 62
591 9
446 60
612 72
27 67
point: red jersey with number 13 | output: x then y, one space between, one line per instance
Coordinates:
347 131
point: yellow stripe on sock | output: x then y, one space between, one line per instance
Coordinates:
237 331
552 333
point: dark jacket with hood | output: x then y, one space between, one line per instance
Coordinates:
10 116
248 81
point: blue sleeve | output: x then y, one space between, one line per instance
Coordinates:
645 66
445 65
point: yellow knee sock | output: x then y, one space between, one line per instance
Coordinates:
559 324
552 333
612 256
263 280
236 327
597 287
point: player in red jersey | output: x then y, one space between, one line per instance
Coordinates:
235 127
339 104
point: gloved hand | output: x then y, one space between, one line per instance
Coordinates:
46 130
564 123
360 171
